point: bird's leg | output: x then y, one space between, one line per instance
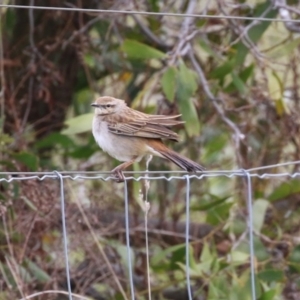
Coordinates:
118 171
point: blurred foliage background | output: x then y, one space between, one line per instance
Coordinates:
236 83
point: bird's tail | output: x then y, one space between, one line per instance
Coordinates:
181 161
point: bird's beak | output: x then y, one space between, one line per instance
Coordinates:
95 105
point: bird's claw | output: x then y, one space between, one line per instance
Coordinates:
118 175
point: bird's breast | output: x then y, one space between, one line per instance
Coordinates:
101 134
122 148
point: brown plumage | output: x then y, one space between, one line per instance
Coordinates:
128 134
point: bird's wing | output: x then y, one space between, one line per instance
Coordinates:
146 126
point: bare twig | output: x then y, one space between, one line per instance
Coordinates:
31 66
243 33
284 13
80 31
2 78
289 8
238 135
150 35
211 96
100 247
54 292
28 234
11 263
180 48
15 271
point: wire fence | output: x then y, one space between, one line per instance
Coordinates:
248 175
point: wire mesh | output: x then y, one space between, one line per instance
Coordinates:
10 177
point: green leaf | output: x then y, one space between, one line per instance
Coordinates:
206 47
137 50
102 27
269 295
83 99
206 254
259 211
276 88
5 139
294 259
261 252
168 83
285 189
5 273
206 265
167 253
186 87
214 292
55 138
7 163
177 257
238 83
221 71
239 257
244 75
189 115
28 159
255 32
79 124
84 152
122 251
29 203
209 205
10 21
270 275
37 272
1 124
214 145
218 213
89 60
9 275
285 49
154 5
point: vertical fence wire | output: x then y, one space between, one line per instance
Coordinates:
147 207
250 231
146 210
64 230
128 240
187 235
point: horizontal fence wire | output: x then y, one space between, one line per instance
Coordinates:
104 175
19 176
147 13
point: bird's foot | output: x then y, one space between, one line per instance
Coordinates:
118 175
118 171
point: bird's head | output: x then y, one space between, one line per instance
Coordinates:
108 105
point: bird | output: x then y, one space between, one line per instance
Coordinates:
128 135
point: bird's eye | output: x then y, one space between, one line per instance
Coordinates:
108 105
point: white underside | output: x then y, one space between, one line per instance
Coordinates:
122 148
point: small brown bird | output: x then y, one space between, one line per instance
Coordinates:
128 135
